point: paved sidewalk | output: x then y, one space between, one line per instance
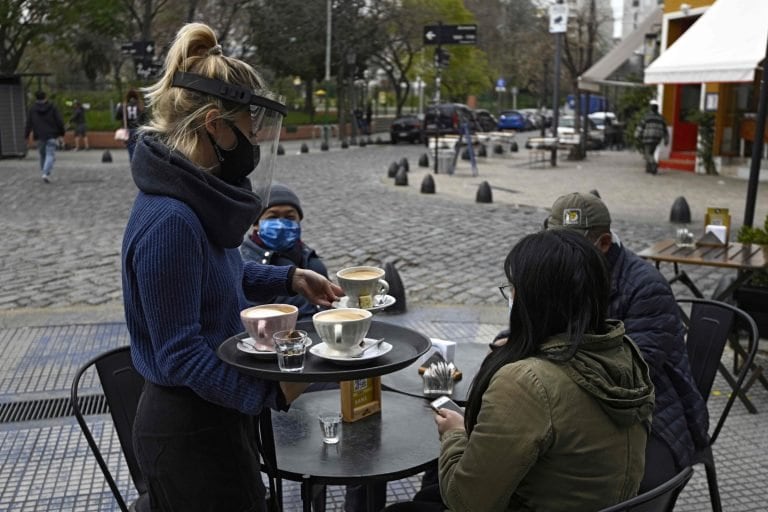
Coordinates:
60 301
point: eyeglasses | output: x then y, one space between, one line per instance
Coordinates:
506 290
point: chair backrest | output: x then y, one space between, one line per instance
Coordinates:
710 325
660 499
122 386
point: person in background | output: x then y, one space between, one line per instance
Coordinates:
45 125
652 130
557 417
275 239
203 169
132 114
79 125
642 299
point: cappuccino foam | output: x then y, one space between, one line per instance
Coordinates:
362 275
265 313
340 316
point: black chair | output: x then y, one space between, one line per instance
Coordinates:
660 499
122 386
711 324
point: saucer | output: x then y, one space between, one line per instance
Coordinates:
248 348
381 304
321 350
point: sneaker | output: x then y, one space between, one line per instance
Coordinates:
46 178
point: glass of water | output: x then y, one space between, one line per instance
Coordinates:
330 423
291 349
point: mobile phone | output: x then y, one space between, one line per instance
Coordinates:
444 402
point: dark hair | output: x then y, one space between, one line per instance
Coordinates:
40 95
561 285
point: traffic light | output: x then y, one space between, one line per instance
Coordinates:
442 57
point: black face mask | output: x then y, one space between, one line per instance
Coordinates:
236 163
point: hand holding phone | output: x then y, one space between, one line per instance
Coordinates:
444 402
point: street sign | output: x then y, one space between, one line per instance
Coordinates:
147 69
450 34
138 48
501 83
558 18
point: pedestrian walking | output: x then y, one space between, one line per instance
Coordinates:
78 124
368 118
652 130
46 126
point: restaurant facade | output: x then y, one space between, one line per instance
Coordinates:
711 60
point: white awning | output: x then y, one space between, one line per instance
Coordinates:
591 79
726 44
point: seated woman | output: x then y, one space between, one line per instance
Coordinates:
557 417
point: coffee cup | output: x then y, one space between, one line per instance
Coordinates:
361 285
261 322
342 330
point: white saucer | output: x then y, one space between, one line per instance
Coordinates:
246 345
321 350
381 304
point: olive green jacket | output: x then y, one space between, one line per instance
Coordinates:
555 436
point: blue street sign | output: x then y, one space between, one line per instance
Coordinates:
501 83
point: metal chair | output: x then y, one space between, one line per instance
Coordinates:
660 499
122 387
711 324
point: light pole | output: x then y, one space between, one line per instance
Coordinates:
558 22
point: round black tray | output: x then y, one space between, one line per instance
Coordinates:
407 346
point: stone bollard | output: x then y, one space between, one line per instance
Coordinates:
280 149
424 160
304 148
498 149
595 193
513 147
393 167
482 151
362 142
379 141
106 157
484 194
680 212
404 163
428 185
344 144
401 178
324 146
396 288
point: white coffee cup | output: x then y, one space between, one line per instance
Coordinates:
342 330
361 285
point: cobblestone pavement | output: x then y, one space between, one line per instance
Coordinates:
60 269
61 241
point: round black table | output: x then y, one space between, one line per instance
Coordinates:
468 358
407 346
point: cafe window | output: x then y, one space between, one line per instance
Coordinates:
690 97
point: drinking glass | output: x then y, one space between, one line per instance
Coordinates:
291 349
330 425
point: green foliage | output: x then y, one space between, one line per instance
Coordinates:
706 122
756 235
632 106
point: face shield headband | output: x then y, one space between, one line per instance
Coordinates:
267 112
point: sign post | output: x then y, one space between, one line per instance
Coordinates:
558 23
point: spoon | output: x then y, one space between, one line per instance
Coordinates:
375 343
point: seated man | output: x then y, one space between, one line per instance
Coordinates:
275 239
642 299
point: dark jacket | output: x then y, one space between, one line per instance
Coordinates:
555 436
305 257
643 300
653 129
44 121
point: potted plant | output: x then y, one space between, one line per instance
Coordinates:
752 297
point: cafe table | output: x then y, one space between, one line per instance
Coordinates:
744 258
467 359
284 453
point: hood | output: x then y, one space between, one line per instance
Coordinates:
610 368
42 107
225 211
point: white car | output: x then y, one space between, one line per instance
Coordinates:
568 134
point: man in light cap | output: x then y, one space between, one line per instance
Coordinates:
642 299
652 130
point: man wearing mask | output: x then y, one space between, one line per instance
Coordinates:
275 239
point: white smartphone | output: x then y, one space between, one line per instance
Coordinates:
446 403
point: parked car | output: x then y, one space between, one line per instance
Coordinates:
486 121
448 118
608 137
567 133
512 120
406 128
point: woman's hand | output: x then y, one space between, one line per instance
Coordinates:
316 288
447 419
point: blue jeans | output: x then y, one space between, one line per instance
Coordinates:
47 150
